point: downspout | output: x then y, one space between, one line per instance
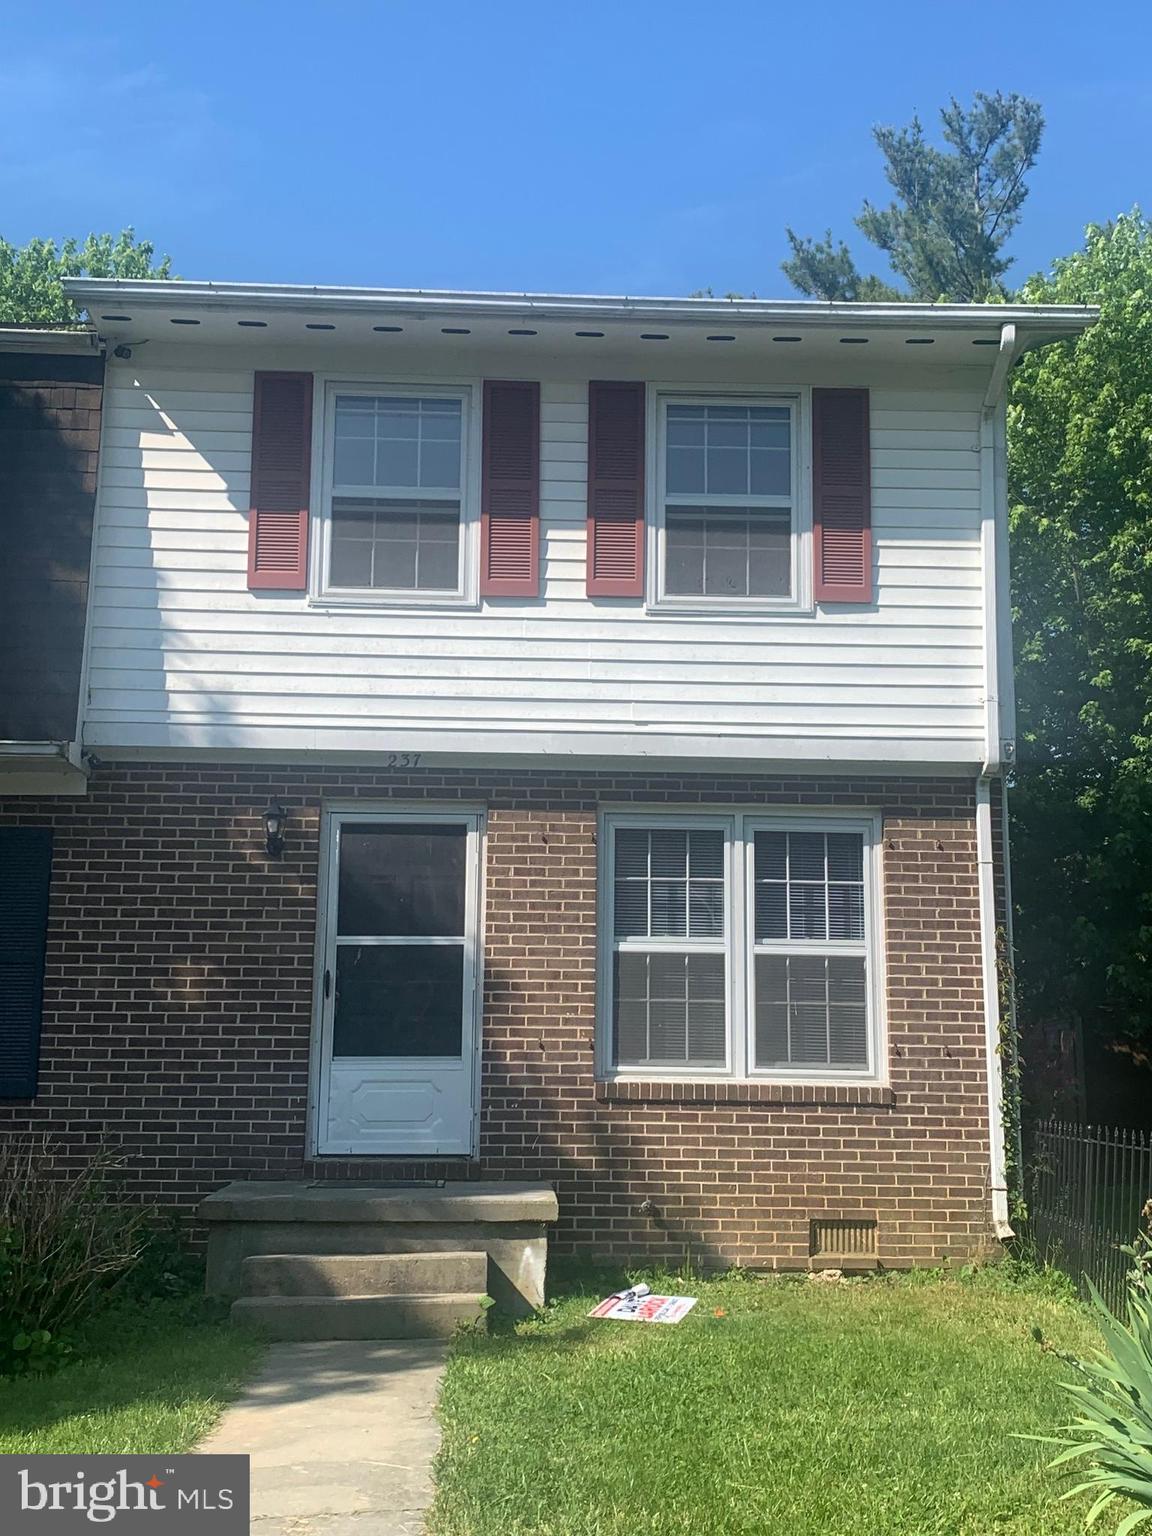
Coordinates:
993 547
993 542
76 747
1009 1037
998 1164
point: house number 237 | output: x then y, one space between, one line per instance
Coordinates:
402 759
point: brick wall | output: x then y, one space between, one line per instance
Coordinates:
177 1013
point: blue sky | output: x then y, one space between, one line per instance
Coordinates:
632 147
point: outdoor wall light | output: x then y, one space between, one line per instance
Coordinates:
275 818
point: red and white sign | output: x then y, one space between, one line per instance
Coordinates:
640 1306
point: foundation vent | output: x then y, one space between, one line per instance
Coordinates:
843 1242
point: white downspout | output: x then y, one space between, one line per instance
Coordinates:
987 878
993 543
993 548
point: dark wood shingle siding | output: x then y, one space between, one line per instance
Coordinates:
49 447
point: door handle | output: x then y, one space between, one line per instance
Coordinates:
327 983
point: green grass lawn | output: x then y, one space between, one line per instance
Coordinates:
148 1379
778 1406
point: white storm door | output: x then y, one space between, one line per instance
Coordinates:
399 984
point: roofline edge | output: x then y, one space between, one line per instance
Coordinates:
1070 319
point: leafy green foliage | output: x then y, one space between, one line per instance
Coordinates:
1140 1252
1113 1429
30 290
1080 426
954 209
64 1241
145 1378
165 1265
826 269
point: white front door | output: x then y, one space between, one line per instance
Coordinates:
399 982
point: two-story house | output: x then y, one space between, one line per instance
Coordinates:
543 739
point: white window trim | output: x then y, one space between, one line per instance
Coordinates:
467 594
739 828
798 400
607 945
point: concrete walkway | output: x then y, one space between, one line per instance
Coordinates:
341 1437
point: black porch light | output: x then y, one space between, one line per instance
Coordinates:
275 818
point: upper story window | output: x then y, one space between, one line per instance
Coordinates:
397 493
729 516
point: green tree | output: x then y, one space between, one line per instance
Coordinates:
1080 427
30 289
954 209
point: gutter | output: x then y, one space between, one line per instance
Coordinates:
34 749
1055 319
69 752
39 758
83 342
994 547
999 747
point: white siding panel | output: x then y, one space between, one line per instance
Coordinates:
618 699
187 502
227 635
185 669
131 417
168 405
193 478
178 644
181 456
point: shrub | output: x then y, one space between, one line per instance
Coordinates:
165 1267
1140 1252
1114 1395
65 1240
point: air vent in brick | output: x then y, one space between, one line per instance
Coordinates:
843 1242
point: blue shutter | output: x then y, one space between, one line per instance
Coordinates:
25 875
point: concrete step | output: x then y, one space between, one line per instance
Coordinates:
509 1221
281 1201
298 1318
367 1274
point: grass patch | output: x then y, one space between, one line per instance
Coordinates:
153 1377
881 1406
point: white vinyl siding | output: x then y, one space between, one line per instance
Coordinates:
183 655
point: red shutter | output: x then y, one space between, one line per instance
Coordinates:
615 489
842 496
281 475
510 491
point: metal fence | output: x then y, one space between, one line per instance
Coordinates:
1085 1187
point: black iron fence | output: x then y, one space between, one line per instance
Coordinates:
1085 1187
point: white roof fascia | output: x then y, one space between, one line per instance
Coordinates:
1052 318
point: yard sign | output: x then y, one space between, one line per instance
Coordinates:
628 1307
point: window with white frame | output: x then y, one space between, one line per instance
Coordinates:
668 927
396 477
739 946
727 500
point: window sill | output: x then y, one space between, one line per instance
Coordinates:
723 608
330 602
634 1091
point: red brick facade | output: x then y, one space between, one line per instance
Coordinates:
179 986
